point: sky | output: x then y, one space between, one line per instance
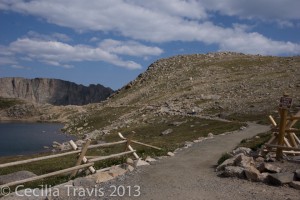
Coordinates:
111 42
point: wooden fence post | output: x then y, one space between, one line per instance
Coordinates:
282 126
129 146
82 157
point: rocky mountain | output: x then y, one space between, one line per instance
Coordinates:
214 85
215 82
52 91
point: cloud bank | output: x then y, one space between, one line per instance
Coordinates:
156 22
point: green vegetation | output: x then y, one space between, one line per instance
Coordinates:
256 142
184 128
224 157
8 102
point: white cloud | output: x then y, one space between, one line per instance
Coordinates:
130 48
51 37
163 21
260 9
61 54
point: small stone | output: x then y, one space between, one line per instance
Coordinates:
211 135
167 132
130 168
129 161
170 154
140 162
149 159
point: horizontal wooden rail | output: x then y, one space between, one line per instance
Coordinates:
106 144
58 155
111 156
38 159
282 147
140 143
147 145
46 175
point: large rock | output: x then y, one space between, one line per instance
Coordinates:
266 167
52 91
280 178
244 161
228 162
233 171
244 150
20 175
252 174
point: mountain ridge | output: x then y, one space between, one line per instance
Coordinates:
52 91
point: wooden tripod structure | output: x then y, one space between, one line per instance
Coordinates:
284 139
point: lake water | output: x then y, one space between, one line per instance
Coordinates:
27 138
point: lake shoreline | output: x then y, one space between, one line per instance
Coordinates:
31 137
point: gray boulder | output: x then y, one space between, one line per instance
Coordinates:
266 167
233 171
281 178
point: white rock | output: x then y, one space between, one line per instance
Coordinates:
140 162
149 159
170 154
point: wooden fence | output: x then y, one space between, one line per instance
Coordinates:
82 162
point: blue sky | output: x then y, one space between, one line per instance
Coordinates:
112 41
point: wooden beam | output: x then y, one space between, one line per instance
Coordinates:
282 147
147 145
272 121
282 127
129 146
46 175
82 154
111 156
106 144
296 138
84 159
38 159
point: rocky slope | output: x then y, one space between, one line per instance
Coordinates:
205 85
52 91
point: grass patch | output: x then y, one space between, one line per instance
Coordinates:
9 102
224 157
190 128
256 142
261 118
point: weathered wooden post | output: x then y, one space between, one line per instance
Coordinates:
285 104
82 157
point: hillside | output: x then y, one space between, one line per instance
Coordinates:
215 85
52 91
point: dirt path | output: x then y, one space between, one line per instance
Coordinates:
190 175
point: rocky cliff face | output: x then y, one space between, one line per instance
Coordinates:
52 91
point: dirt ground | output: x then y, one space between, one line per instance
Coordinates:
190 175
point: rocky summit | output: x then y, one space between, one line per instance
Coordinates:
52 91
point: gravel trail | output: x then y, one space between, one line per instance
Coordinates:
190 175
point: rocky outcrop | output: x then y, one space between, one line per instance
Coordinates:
52 91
